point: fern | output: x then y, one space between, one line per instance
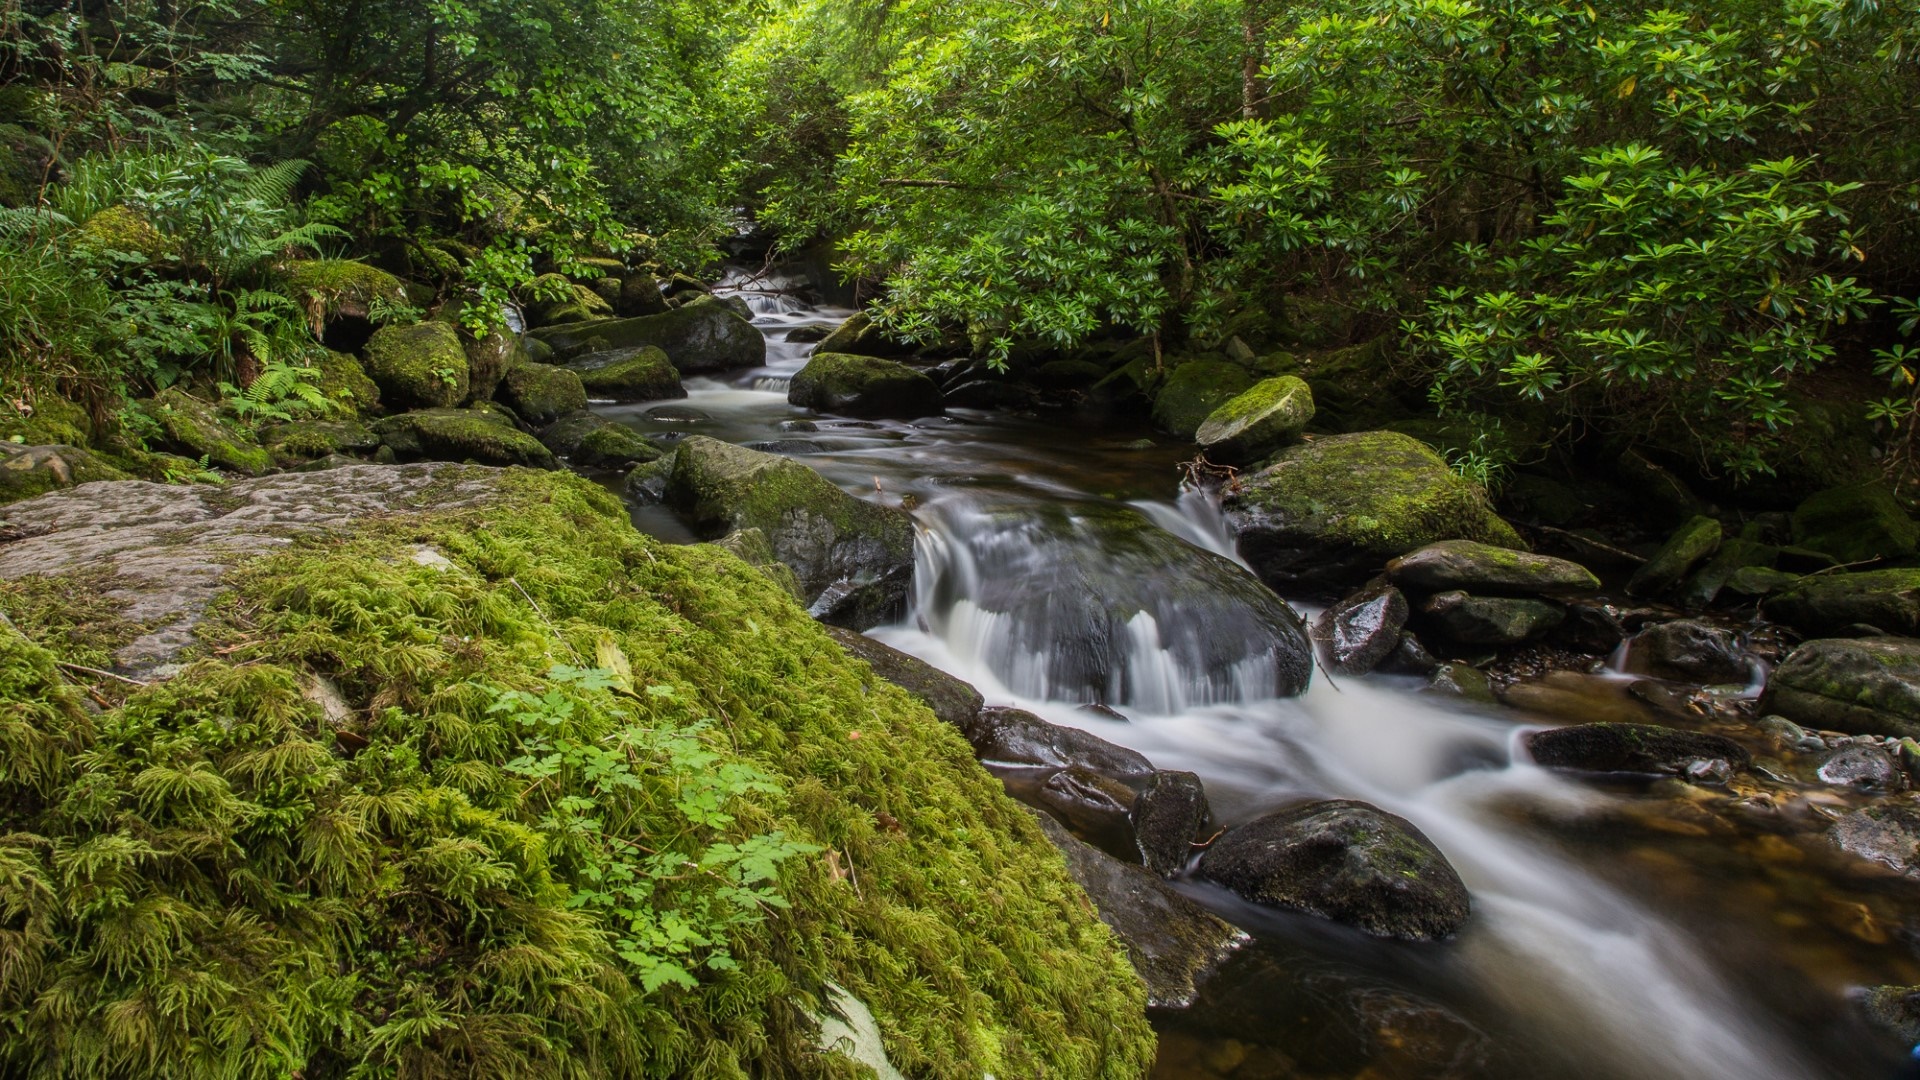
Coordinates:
281 392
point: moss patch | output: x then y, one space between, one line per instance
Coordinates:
332 289
542 393
475 435
191 427
420 366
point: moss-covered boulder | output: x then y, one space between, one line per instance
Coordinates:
1822 605
1865 686
556 300
43 417
27 161
700 338
951 699
640 295
864 386
588 439
488 358
371 669
423 366
1256 423
345 383
344 299
860 337
1486 570
1688 547
1334 510
854 559
1346 861
1856 524
126 231
1632 748
472 435
304 440
195 429
26 471
1488 620
637 374
541 393
1193 391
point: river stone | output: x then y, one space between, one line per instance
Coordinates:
952 700
1888 834
541 393
1855 524
640 295
588 439
859 336
854 554
1869 768
1489 620
1333 511
636 374
26 471
1361 631
1346 861
1823 605
1172 941
1688 650
1257 422
1015 737
476 435
1689 544
1894 1008
1094 806
301 440
1486 570
700 337
1632 748
423 366
863 386
1862 686
195 429
1168 815
1193 391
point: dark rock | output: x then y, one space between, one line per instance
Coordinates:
1168 815
859 336
474 435
951 700
1895 1009
1591 626
1684 550
1869 768
1888 834
640 295
678 414
1092 805
988 394
808 335
1464 681
1486 570
1631 748
864 386
1863 686
1410 657
1490 620
1361 631
1855 524
542 393
1345 861
646 483
1068 374
1824 604
590 440
1172 941
798 425
635 374
786 446
1193 391
1735 555
1759 581
1688 650
753 548
700 337
488 359
1015 737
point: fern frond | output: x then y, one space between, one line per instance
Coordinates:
274 184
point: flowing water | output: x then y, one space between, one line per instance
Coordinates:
1620 930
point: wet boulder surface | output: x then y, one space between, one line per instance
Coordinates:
864 386
1360 632
1633 748
1487 570
1863 686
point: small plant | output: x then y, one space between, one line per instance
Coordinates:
281 392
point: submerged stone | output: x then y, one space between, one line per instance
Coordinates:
1888 834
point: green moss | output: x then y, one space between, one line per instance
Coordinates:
1263 419
304 439
642 374
1856 524
852 385
345 382
27 471
345 877
75 616
191 427
1193 391
331 289
419 366
475 435
25 159
541 393
48 418
124 229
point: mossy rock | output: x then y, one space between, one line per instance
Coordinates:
345 383
1257 422
422 366
196 430
1193 391
50 419
858 335
587 439
1486 570
637 374
304 440
1856 524
333 749
752 547
702 337
574 303
473 435
952 700
864 386
1631 748
27 471
1334 510
26 162
608 290
334 290
640 295
125 230
541 393
1862 686
1488 620
488 359
1820 605
1689 545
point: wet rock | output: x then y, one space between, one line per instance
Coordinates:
1864 686
1015 737
488 359
1894 1008
852 553
1489 620
1335 510
1825 604
1684 550
541 393
422 366
678 414
1193 391
1172 941
753 548
1092 805
1410 657
646 483
26 471
635 374
786 446
1462 680
864 386
1791 735
1632 748
1168 815
1259 421
195 429
798 425
1346 861
1888 834
591 440
808 335
1591 626
1855 524
1869 768
1688 650
700 337
859 336
1361 631
475 435
1486 570
952 700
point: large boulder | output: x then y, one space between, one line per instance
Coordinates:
1856 524
343 299
422 366
1361 631
1863 686
1820 605
193 428
476 435
638 374
1256 423
1193 391
1486 570
1689 545
541 393
854 559
701 337
864 386
591 440
1334 510
344 381
951 699
1633 748
26 471
1346 861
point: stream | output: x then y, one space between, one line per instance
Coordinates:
1620 930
